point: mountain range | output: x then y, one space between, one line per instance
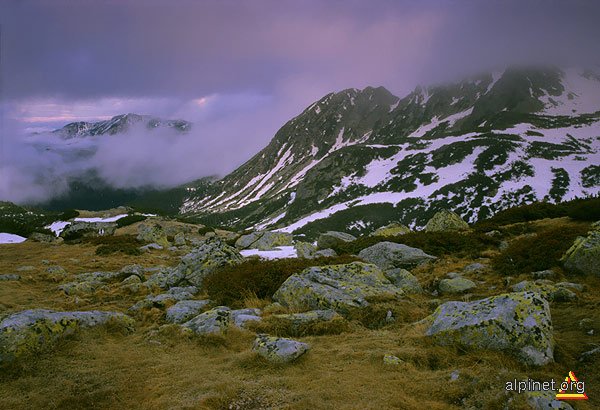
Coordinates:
356 160
119 124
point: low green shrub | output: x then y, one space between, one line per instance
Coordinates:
585 210
523 213
230 285
130 219
127 244
205 229
536 252
69 214
462 244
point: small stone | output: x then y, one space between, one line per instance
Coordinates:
543 274
475 267
391 360
9 276
279 349
454 375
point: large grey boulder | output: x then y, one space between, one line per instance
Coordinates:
584 255
305 250
185 310
337 287
90 282
153 233
88 229
456 285
9 276
30 331
518 323
404 280
390 255
216 320
241 317
264 240
393 229
331 239
444 221
202 261
278 349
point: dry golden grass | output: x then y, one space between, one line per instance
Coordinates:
160 368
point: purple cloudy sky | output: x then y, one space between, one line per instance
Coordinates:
240 69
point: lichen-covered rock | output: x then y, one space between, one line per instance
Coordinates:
518 323
548 290
82 288
179 239
305 250
279 349
264 240
88 229
202 261
393 229
152 234
297 320
337 287
584 255
174 294
9 276
30 331
404 280
331 239
151 246
475 267
132 284
391 360
446 221
185 310
326 253
390 255
543 274
164 278
56 273
41 237
216 320
456 285
544 400
240 317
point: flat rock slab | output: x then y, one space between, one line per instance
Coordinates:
30 331
185 310
331 239
279 349
390 255
456 285
519 323
337 287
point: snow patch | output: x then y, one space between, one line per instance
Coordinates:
11 238
281 252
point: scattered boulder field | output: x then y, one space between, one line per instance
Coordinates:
514 318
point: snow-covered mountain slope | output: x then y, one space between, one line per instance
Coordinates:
118 124
365 157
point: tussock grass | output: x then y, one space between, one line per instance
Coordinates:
160 367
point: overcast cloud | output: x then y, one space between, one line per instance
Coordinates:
238 70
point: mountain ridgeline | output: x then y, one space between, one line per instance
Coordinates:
119 124
357 159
